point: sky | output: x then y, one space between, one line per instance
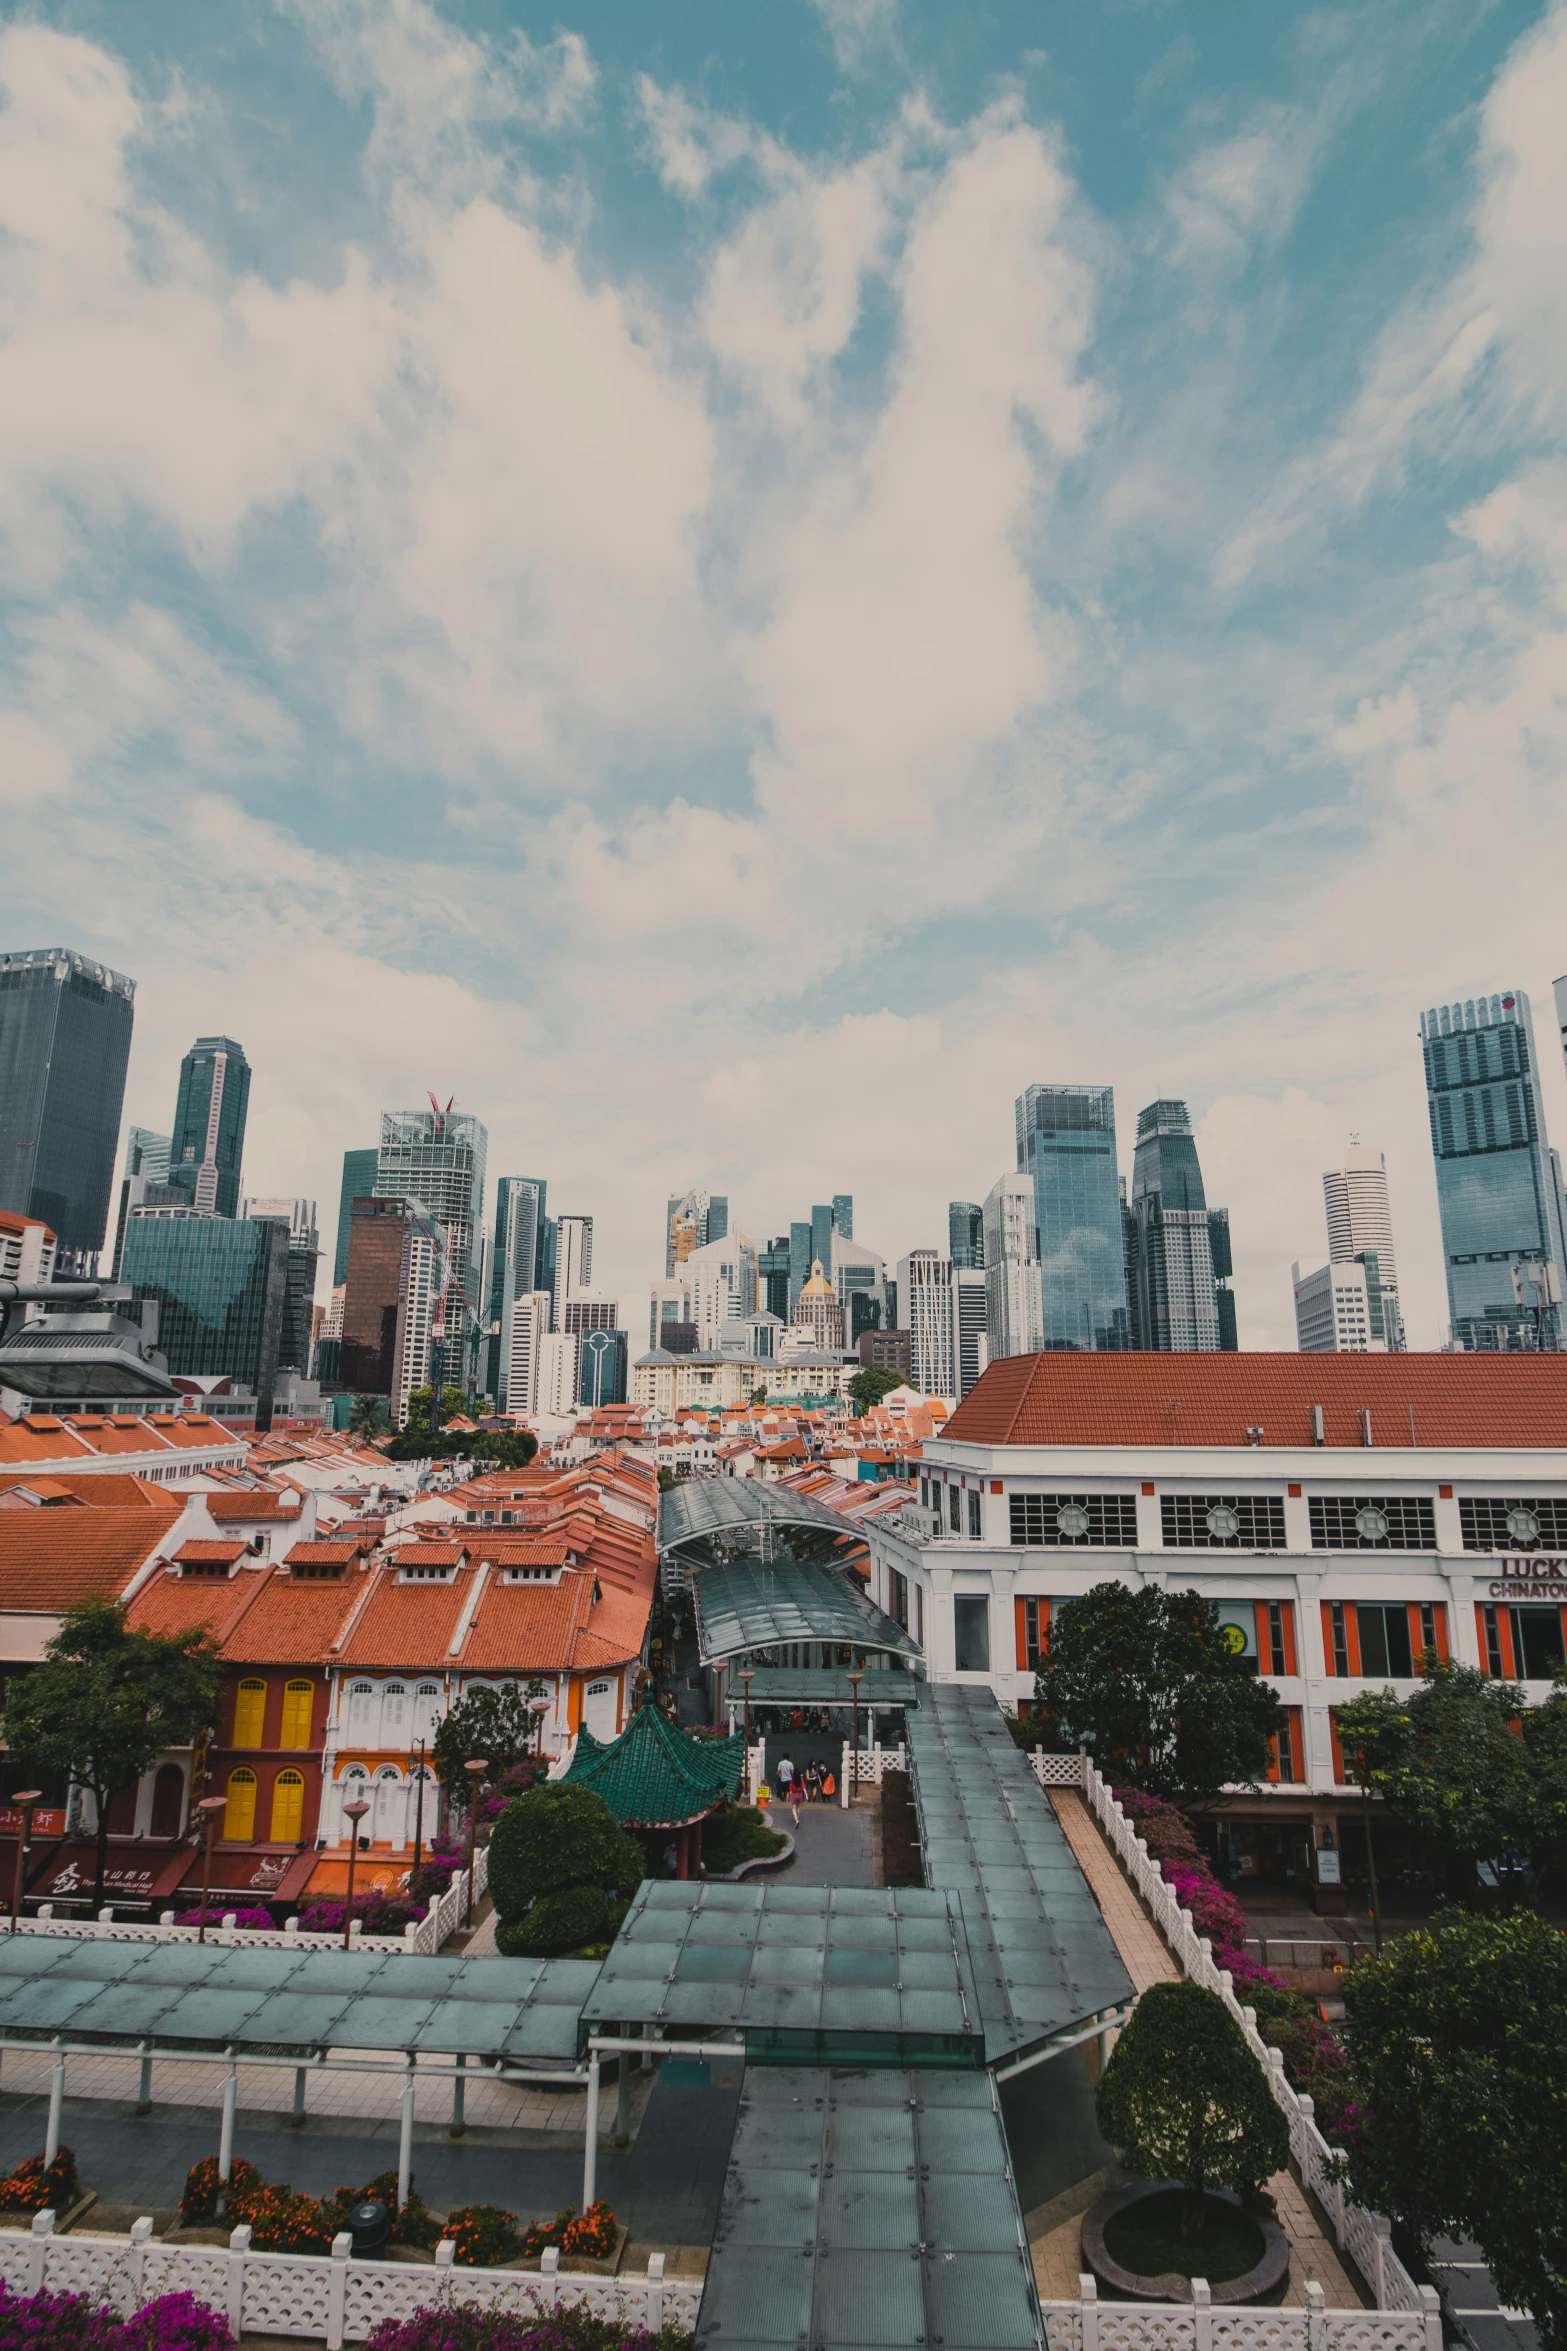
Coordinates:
730 587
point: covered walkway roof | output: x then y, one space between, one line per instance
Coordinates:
807 1685
869 2208
1044 1959
696 1511
751 1603
656 1776
852 1975
181 1998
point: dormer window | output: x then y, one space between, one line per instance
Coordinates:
530 1575
318 1570
434 1572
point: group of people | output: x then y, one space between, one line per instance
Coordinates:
814 1785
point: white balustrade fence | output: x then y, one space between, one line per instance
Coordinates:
423 1937
1364 2235
1200 2325
327 2298
866 1768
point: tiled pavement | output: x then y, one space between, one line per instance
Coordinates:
1314 2257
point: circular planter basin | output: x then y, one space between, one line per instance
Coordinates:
1264 2283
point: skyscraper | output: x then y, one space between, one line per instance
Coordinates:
1014 1311
530 1323
772 1277
602 1367
144 1184
207 1148
221 1288
573 1262
970 1343
843 1214
965 1234
1066 1143
65 1039
1497 1184
693 1219
358 1184
1178 1247
437 1157
925 1297
304 1254
1359 1216
514 1268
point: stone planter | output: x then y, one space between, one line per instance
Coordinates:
1265 2283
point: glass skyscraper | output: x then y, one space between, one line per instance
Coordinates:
304 1249
965 1235
1066 1143
1497 1185
437 1158
221 1287
358 1184
515 1268
207 1148
1177 1247
65 1040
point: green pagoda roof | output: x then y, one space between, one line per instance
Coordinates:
655 1776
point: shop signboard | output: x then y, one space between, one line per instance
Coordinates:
1327 1867
46 1822
1530 1578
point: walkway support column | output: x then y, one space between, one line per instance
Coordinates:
590 2136
144 2083
623 2093
56 2103
297 2118
405 2141
459 2090
226 2136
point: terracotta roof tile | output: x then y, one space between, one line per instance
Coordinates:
100 1489
1453 1401
199 1554
291 1623
52 1559
171 1604
264 1504
436 1554
409 1624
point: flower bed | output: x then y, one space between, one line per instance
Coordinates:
487 2235
1314 2063
283 2221
37 2187
378 1913
71 2322
565 2328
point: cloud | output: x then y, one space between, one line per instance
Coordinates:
856 27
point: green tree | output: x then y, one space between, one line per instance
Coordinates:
1457 2045
1544 1734
453 1402
1376 1740
504 1448
870 1385
497 1725
1150 1684
562 1871
367 1416
105 1703
1183 2098
1459 1782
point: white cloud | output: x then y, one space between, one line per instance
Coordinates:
856 27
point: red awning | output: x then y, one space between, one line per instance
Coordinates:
135 1873
330 1876
270 1877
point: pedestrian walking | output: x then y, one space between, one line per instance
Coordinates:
813 1782
789 1787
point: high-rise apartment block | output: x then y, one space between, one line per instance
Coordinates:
970 1336
1498 1183
1177 1248
529 1328
65 1040
1342 1309
1066 1144
573 1262
925 1299
207 1147
965 1234
304 1254
558 1373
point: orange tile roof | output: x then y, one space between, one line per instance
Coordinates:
291 1623
266 1503
102 1489
408 1624
1466 1401
324 1553
443 1553
52 1559
199 1554
171 1604
38 1437
555 1628
506 1550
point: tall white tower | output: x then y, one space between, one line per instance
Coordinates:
1359 1217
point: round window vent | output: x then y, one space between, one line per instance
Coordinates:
1371 1523
1522 1524
1224 1522
1072 1521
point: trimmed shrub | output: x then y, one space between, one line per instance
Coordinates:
558 1923
37 2187
1184 2099
561 1840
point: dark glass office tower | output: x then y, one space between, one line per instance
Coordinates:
772 1277
65 1039
1066 1142
514 1265
1177 1247
221 1288
1496 1185
358 1184
207 1147
965 1235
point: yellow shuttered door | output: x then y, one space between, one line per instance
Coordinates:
288 1808
298 1704
250 1713
240 1819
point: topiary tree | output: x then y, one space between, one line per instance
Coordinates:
562 1871
1183 2098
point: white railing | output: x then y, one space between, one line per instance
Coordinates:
327 2298
422 1937
1058 1771
866 1767
1200 2325
1364 2235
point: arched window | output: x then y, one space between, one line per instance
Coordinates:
298 1707
288 1808
361 1697
168 1800
239 1821
250 1714
393 1707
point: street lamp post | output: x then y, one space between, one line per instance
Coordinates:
209 1808
353 1814
854 1734
475 1770
24 1836
745 1684
418 1768
540 1708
